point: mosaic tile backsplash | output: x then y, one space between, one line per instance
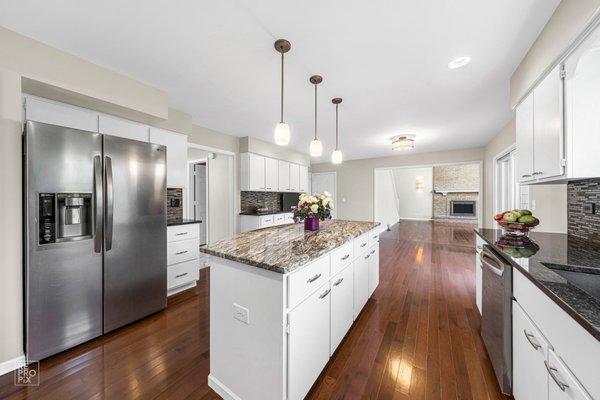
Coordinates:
581 222
251 200
174 204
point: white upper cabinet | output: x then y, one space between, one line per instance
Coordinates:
271 175
540 134
176 144
548 142
582 98
294 177
50 112
127 129
284 176
252 170
524 127
303 179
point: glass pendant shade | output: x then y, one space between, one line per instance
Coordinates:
316 148
336 157
282 134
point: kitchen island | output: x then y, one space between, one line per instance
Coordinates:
281 301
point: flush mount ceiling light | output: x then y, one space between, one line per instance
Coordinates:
403 143
336 156
459 62
282 130
316 147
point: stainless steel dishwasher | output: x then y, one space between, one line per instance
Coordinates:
496 314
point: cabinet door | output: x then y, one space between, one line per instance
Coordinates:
303 180
126 129
176 144
342 313
562 385
284 176
373 268
530 349
256 172
548 126
271 175
361 282
54 113
524 128
308 342
294 177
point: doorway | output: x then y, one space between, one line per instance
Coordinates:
326 182
199 196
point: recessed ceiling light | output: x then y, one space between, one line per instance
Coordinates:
459 62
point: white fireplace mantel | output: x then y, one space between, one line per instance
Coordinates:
446 191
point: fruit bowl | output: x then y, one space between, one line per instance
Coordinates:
517 222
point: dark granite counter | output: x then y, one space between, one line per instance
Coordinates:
566 268
182 221
285 248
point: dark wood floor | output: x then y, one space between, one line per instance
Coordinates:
417 338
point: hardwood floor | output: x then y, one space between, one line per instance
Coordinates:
417 338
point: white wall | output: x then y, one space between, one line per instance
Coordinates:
386 202
413 203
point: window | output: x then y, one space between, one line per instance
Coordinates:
509 194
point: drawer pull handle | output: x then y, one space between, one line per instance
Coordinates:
367 256
181 234
552 371
364 244
325 293
338 281
375 237
373 251
181 252
181 275
532 340
345 257
526 176
314 278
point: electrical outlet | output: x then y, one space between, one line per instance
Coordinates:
241 313
532 205
589 208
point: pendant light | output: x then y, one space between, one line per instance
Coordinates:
336 156
316 147
282 130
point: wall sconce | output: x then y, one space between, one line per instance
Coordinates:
420 183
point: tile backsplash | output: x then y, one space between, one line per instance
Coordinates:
580 222
251 200
174 204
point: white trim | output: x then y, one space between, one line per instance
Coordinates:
480 194
498 156
210 149
414 219
10 365
335 202
221 389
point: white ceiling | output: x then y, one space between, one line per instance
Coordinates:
386 59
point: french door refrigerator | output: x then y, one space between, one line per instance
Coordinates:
95 237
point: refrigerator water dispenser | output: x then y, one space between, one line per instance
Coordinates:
74 216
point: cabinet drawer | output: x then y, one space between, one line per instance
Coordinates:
361 245
266 220
182 274
373 236
182 232
279 219
341 257
183 250
562 384
303 282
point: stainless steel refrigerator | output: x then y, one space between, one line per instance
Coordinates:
95 237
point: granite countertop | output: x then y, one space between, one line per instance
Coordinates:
286 248
183 221
564 267
254 213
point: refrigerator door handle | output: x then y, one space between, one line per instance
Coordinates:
98 204
108 176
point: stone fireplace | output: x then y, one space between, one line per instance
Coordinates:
456 192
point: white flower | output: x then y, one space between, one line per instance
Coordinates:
326 201
314 208
326 193
322 197
331 206
313 199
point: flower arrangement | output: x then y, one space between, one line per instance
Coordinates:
311 209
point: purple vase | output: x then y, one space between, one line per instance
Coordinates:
311 224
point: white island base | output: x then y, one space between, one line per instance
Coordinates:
271 334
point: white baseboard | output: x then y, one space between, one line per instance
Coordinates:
10 365
221 389
415 219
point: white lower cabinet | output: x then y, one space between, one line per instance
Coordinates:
183 262
308 347
342 310
530 350
373 268
361 282
562 384
251 222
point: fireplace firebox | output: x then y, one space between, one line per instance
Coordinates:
463 208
